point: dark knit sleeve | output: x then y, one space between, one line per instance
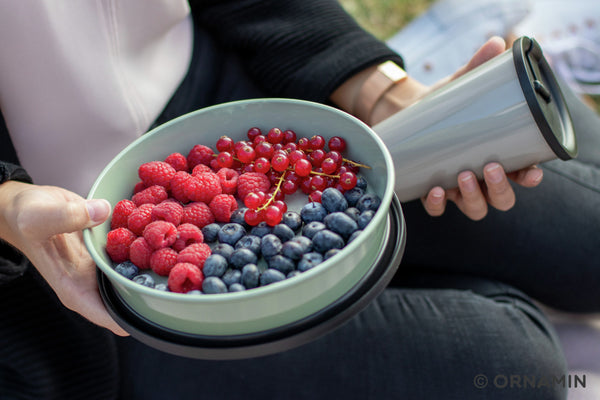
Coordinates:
293 48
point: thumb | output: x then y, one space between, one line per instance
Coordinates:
74 215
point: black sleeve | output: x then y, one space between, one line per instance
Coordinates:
12 263
293 48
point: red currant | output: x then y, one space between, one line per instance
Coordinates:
315 196
336 143
246 154
289 187
318 182
254 200
262 165
225 159
239 145
302 167
336 156
289 136
329 166
297 155
225 143
264 149
244 167
253 132
253 217
281 205
276 195
273 215
258 139
275 135
316 157
348 180
214 164
305 186
303 143
317 142
289 147
280 162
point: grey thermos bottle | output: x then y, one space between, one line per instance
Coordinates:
509 110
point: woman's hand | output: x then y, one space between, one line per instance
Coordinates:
471 197
45 223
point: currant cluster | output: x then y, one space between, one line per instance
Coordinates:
310 165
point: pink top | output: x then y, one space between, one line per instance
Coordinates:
80 80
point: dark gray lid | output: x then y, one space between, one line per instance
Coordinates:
544 97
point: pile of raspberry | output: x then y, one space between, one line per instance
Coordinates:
160 228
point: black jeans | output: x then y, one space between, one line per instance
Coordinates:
455 323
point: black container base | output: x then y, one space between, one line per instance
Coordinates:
273 340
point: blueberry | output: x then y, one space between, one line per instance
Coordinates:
162 287
241 257
261 229
211 232
309 260
293 250
331 253
309 230
213 285
326 240
283 232
292 219
237 217
232 276
354 236
215 265
237 287
368 201
364 218
145 280
127 269
333 200
353 212
313 212
249 242
223 249
231 233
293 274
361 183
195 291
271 276
282 264
341 223
270 245
303 241
353 195
250 276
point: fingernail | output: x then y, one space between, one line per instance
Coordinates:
494 173
539 176
98 209
469 183
437 197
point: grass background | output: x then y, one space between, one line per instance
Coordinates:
383 18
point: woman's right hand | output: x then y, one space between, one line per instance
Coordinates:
45 223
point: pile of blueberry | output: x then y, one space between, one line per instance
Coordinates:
300 242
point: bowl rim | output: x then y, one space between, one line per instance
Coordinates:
381 213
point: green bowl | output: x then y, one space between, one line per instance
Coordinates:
278 304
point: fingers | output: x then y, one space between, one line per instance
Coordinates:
435 202
471 201
500 194
72 216
528 177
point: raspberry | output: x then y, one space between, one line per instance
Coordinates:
153 194
195 254
139 187
228 179
200 169
160 234
177 161
118 242
169 210
197 213
163 260
222 205
252 182
139 218
187 234
185 277
120 213
203 187
199 154
156 173
178 183
140 252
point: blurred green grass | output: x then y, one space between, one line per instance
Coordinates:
383 18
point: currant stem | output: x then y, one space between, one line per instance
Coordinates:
354 163
324 174
270 200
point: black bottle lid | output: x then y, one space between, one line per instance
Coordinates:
544 97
